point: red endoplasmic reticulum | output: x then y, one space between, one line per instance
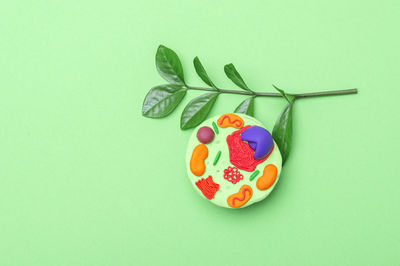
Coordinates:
240 153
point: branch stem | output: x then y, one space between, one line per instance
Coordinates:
272 94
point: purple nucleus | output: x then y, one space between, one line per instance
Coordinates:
259 139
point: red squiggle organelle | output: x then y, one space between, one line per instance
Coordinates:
240 153
207 187
243 196
230 121
232 174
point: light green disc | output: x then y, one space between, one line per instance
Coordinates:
219 143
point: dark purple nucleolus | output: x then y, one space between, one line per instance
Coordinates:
205 135
259 139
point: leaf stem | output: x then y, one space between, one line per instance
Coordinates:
272 94
326 93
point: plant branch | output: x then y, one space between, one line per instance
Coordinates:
272 94
326 93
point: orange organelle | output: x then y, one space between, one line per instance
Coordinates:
197 165
208 187
240 198
268 177
230 120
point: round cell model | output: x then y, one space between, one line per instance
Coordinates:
232 161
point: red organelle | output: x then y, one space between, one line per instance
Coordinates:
243 196
240 153
207 187
233 175
230 121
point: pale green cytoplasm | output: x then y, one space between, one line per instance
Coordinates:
218 160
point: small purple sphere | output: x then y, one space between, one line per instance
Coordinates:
205 135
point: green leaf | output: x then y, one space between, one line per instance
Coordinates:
169 66
197 110
290 98
161 100
233 75
202 72
246 107
283 131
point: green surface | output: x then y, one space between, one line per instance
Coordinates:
86 180
217 173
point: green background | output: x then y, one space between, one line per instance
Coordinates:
86 180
